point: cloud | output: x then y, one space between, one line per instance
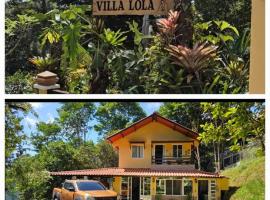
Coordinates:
51 118
31 121
36 105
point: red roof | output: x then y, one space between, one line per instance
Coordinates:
154 117
138 172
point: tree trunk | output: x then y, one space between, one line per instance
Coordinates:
198 157
215 158
218 157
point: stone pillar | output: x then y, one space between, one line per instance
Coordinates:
46 81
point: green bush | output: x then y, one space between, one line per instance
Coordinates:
19 83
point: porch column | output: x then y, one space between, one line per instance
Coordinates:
153 186
195 188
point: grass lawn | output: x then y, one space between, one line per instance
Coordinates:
248 179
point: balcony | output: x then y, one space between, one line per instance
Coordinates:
184 160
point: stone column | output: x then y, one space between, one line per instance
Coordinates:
46 81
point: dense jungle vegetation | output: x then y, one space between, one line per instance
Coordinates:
200 47
65 143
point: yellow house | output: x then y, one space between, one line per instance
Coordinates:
157 161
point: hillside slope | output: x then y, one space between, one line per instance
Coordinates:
247 181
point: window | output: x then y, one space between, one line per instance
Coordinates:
169 186
177 151
188 187
137 151
88 186
145 185
160 186
177 187
68 186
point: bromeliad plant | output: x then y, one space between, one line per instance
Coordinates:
193 60
168 26
43 63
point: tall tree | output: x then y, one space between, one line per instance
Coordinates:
46 133
14 135
106 154
247 123
74 119
114 116
187 113
215 131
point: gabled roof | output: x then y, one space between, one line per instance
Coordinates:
154 117
114 171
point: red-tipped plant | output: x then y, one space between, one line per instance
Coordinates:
167 26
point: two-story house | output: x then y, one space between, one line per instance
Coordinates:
156 161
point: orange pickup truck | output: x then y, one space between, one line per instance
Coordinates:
83 190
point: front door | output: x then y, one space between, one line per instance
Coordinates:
158 154
135 188
203 189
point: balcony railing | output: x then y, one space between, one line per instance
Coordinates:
173 160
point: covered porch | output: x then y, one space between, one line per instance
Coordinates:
152 184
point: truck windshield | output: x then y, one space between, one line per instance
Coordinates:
87 186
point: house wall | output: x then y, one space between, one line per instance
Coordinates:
221 184
151 132
117 184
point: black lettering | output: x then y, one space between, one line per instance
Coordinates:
121 6
151 5
138 5
99 4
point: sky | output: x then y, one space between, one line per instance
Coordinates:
47 112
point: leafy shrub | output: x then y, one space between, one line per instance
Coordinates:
19 83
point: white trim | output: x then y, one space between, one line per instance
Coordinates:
137 145
142 186
129 184
210 197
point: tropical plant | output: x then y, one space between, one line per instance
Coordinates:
168 27
193 60
19 83
113 38
43 63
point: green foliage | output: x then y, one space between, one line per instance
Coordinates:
87 61
222 126
229 11
74 120
28 177
46 133
138 36
115 116
215 32
113 38
186 114
43 63
19 83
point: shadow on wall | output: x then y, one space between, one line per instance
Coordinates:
228 194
